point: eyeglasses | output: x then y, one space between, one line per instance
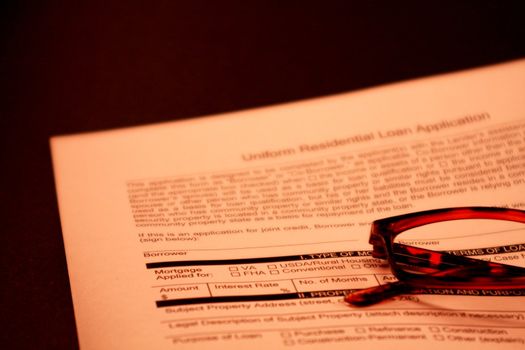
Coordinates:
472 248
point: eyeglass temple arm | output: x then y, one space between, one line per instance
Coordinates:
443 261
373 295
455 265
379 252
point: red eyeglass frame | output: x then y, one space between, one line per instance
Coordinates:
444 270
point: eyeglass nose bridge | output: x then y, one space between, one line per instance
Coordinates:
379 233
378 247
379 252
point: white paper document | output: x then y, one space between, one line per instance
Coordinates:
245 230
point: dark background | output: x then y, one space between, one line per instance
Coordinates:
68 68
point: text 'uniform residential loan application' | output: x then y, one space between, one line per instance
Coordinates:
245 230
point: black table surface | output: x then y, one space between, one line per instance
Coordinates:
68 67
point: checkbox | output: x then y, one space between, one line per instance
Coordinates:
289 342
274 272
235 274
434 329
360 330
439 337
286 334
271 267
233 268
355 266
